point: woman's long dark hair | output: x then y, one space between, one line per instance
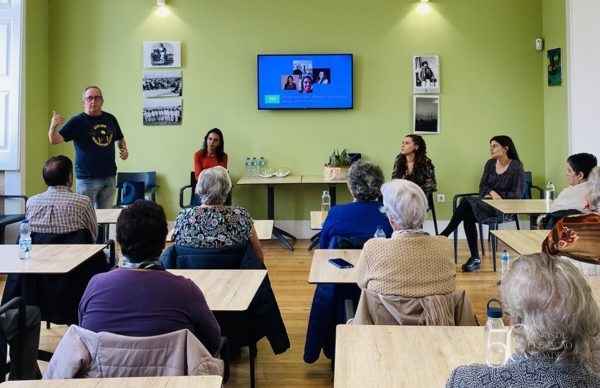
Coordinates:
220 152
401 166
506 141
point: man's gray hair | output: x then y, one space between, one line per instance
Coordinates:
405 203
551 305
214 184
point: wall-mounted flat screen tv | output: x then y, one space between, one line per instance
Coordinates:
318 81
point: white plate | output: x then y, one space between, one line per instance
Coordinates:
278 175
266 175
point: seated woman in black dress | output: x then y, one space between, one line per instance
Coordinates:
503 177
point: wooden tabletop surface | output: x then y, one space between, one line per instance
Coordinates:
321 179
321 271
107 216
403 356
123 382
594 282
522 241
316 219
518 206
225 289
46 259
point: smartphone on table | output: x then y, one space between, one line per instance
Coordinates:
341 263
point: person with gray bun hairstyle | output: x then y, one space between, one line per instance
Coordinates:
555 321
361 217
212 224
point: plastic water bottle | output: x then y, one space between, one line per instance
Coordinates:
496 349
505 259
25 240
254 167
248 166
325 201
379 233
261 165
550 189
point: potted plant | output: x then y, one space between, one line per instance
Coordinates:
337 168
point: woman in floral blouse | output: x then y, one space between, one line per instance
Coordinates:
213 225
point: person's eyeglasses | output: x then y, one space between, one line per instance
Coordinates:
92 98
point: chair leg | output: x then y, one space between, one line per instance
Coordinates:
252 350
455 233
494 244
432 208
481 239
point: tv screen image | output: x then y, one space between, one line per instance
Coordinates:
301 81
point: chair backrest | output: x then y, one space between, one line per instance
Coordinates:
83 353
348 242
134 185
230 257
528 183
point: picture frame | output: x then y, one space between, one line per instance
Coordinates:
162 54
160 84
162 111
426 74
426 114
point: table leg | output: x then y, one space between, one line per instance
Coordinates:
281 235
332 193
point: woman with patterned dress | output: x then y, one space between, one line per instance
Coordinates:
213 225
413 164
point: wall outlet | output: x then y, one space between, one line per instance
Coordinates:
441 198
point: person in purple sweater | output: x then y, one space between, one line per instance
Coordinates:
142 299
361 217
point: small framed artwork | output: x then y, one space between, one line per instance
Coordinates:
162 54
162 111
426 114
426 74
165 83
554 67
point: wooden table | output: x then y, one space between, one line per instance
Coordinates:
518 206
522 241
321 271
225 289
316 219
46 259
123 382
403 356
107 216
281 234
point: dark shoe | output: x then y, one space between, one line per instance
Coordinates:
474 263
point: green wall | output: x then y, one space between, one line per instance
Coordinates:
491 83
556 142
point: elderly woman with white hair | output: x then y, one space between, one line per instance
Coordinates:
212 224
408 279
578 236
555 320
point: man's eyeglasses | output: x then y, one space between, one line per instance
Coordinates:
92 98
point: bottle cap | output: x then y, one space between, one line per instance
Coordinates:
494 312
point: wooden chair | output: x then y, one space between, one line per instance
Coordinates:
135 185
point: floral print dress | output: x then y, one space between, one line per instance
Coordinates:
213 227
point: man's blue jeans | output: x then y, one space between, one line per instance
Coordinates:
100 190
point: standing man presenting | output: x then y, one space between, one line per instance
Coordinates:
94 134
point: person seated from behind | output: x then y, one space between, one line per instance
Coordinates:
141 299
579 167
361 217
578 236
553 333
213 225
59 210
411 263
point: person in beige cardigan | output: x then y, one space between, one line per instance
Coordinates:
412 275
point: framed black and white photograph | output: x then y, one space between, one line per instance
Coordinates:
426 114
162 111
426 74
162 54
157 84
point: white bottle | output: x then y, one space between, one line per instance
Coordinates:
379 233
325 201
550 189
505 259
496 348
248 167
261 166
25 240
254 166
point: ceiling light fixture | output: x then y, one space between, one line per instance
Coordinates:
424 1
161 2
